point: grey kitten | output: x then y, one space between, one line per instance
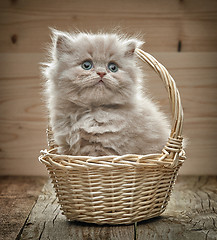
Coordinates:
95 100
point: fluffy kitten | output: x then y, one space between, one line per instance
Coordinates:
94 97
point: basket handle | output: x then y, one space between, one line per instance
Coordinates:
174 144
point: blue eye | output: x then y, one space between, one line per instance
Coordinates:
113 67
87 65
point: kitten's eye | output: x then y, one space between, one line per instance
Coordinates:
87 65
113 67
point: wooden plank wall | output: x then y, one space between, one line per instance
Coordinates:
181 34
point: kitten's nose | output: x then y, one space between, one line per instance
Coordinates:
101 74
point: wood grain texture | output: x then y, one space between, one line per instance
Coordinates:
165 24
23 117
191 214
17 197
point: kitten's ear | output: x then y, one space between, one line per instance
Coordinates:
132 44
62 42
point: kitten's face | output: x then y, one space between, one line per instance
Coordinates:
95 69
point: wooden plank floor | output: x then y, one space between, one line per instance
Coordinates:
17 197
191 214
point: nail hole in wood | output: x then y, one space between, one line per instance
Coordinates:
14 38
179 46
13 1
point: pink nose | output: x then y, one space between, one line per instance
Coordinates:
101 74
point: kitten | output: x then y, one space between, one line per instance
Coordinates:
95 98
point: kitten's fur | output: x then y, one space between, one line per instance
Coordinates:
91 118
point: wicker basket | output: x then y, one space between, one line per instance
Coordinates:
119 189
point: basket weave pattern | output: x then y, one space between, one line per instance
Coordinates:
119 189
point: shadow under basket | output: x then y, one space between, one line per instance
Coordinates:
119 189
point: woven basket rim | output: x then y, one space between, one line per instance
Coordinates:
50 157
